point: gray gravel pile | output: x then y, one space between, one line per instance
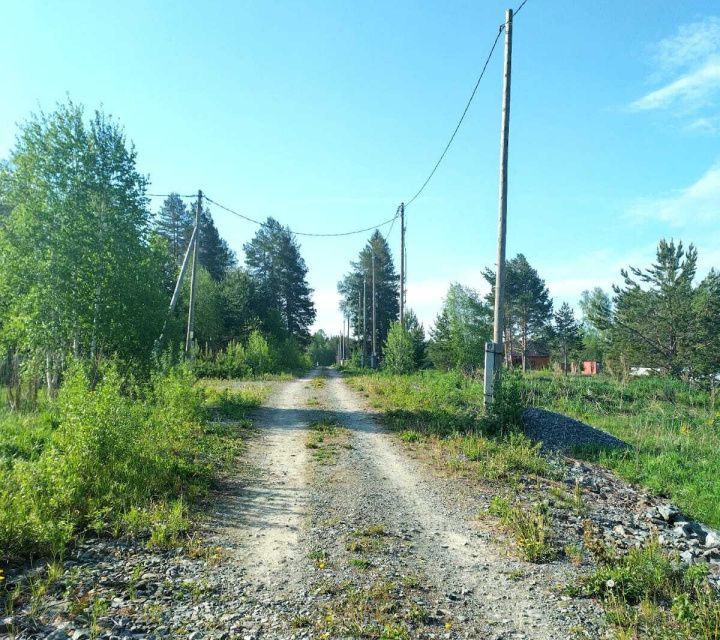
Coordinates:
561 433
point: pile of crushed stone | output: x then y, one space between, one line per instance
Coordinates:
563 434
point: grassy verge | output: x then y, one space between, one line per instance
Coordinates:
114 459
647 593
674 429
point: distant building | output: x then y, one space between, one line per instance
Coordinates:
534 360
588 368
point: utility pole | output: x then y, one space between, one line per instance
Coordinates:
364 312
357 329
342 342
193 277
494 350
347 342
373 358
402 265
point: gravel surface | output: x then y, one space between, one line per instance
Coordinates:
561 433
346 531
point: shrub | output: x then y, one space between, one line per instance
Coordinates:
504 415
111 452
399 350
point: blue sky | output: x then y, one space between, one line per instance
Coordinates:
326 115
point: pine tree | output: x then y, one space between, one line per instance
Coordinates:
387 291
174 222
528 306
273 259
566 336
653 319
214 253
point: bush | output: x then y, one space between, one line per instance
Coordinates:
504 415
399 350
112 451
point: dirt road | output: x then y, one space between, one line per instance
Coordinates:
336 532
329 528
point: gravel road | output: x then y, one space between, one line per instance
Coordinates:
355 537
331 528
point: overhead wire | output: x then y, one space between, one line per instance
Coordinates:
462 117
390 221
304 233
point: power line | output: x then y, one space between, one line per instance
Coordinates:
522 4
397 213
167 195
302 233
392 220
462 117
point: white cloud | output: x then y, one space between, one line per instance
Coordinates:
699 202
690 91
689 65
691 43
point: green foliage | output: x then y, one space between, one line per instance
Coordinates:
649 594
387 291
566 338
399 350
174 223
461 330
504 415
273 259
417 337
322 349
595 339
660 319
114 451
672 426
529 525
77 269
527 308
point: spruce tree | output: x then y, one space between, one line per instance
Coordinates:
565 335
214 253
273 259
387 291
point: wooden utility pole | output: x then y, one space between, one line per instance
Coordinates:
342 342
347 342
494 350
364 312
357 328
402 265
193 277
373 358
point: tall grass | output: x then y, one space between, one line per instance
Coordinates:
100 454
674 428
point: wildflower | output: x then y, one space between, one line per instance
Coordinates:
684 429
448 626
321 564
610 583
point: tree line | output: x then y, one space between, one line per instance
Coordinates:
87 270
660 318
